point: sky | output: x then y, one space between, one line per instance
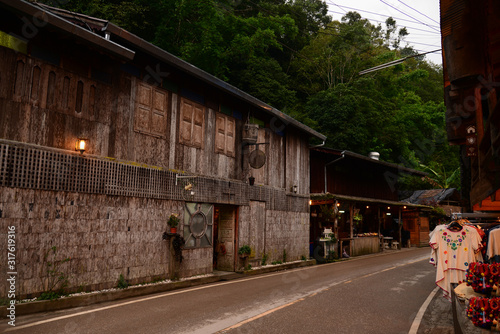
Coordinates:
421 18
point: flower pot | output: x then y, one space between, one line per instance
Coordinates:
173 230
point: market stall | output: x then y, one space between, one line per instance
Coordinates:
466 255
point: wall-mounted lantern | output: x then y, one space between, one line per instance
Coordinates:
80 145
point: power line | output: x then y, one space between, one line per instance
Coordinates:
430 18
378 21
337 6
366 11
436 46
408 15
393 63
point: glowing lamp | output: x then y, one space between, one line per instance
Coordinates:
80 145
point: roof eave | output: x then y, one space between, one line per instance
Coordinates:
328 196
85 36
391 165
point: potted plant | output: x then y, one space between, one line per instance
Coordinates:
173 222
244 251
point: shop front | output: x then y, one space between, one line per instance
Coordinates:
360 225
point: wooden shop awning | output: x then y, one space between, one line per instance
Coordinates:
319 199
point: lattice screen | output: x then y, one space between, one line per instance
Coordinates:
24 166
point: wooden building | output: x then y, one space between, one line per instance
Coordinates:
162 137
362 193
471 67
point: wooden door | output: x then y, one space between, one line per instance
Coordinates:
226 226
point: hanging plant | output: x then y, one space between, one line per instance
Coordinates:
358 217
178 243
327 212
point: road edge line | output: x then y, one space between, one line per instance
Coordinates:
421 312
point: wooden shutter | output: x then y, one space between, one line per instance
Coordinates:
186 122
143 107
230 129
224 136
151 105
199 118
192 121
159 113
220 134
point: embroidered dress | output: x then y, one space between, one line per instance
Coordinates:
452 253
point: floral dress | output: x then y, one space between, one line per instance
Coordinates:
452 251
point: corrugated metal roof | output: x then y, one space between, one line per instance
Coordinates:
390 165
432 196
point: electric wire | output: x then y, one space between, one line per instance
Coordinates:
430 18
406 26
369 12
394 62
408 15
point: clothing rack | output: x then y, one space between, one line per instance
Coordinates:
476 215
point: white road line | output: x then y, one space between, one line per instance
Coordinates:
261 315
179 292
148 298
421 312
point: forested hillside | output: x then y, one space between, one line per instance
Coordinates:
291 55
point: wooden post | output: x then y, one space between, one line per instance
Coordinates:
378 218
379 235
400 228
173 264
351 218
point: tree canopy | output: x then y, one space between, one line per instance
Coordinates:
291 55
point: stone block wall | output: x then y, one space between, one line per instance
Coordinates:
102 237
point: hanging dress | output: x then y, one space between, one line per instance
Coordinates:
452 251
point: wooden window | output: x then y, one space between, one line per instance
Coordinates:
79 96
151 106
18 85
65 92
192 123
35 82
51 84
92 101
224 135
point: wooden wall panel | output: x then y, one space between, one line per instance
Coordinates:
261 174
275 164
134 121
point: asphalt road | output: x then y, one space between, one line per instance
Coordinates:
371 294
